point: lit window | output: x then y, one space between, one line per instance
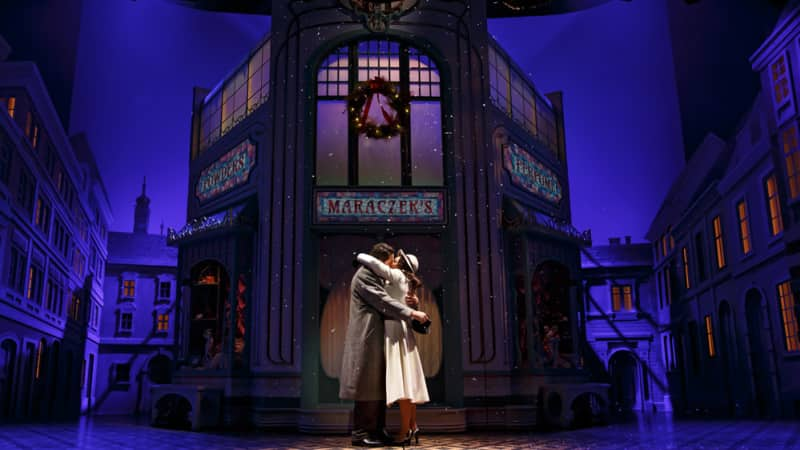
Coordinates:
686 281
719 245
744 227
511 92
712 351
627 297
234 99
34 291
10 105
773 202
39 352
791 153
780 81
129 288
42 215
162 322
258 77
621 297
240 95
499 81
789 317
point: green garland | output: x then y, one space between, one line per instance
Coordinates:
361 98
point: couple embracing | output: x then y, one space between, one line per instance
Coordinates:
381 364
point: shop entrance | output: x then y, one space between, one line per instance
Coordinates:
335 271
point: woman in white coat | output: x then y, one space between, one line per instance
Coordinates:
405 380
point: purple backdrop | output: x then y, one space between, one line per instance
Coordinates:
138 62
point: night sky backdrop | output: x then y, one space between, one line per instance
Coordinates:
138 61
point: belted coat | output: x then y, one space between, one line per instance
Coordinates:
363 374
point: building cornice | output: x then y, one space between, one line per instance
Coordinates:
779 39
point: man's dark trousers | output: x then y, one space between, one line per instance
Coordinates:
369 420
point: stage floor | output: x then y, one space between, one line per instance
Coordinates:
643 432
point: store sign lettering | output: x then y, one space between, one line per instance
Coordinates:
529 174
344 207
231 170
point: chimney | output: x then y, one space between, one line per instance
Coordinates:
627 240
613 241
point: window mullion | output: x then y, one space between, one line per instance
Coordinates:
405 138
352 136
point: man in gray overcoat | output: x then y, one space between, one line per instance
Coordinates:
363 375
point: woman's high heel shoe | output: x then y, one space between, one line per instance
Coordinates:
414 434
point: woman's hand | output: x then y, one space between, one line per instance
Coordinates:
412 300
420 316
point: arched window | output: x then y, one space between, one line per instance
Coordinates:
346 158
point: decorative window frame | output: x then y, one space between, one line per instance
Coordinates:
164 278
127 308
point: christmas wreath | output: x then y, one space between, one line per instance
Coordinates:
360 101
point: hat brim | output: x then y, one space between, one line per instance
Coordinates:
403 255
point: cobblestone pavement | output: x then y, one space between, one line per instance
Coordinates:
649 432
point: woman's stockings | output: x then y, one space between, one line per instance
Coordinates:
412 421
407 413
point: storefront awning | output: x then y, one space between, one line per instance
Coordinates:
517 217
230 218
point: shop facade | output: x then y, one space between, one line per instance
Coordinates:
341 130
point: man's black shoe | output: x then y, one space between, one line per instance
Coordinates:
367 442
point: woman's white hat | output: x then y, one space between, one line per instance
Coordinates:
410 260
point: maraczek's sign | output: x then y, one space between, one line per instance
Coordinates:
230 170
529 174
343 207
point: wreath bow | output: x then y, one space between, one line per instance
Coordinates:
360 102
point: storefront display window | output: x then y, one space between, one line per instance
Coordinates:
210 285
